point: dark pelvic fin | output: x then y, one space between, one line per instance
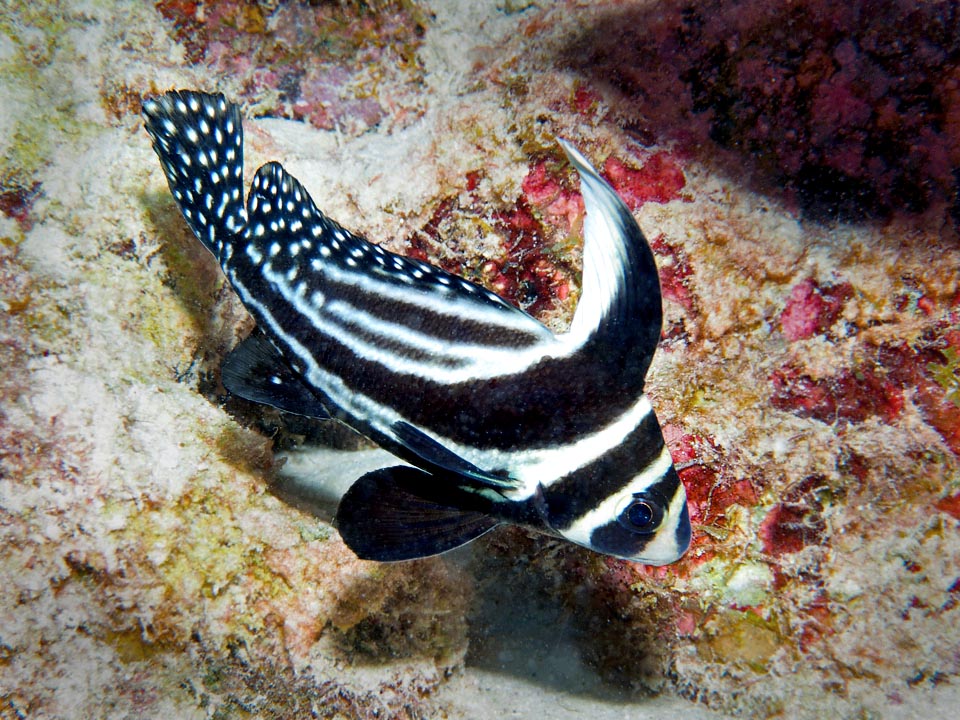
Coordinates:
199 139
434 454
388 515
620 313
255 370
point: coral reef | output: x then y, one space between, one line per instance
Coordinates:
334 65
151 560
854 107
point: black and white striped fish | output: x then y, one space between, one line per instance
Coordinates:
500 420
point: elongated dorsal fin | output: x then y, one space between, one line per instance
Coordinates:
620 311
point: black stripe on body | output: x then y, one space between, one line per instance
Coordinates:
501 401
551 403
356 306
573 495
287 231
319 285
431 321
554 432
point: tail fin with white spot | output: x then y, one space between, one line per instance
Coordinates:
199 139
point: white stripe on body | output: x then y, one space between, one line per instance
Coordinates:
530 467
535 467
477 362
604 258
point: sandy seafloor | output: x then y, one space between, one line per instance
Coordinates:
166 551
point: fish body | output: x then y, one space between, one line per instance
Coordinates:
500 420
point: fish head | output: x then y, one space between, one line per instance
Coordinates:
645 520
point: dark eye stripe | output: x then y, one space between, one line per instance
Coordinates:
574 495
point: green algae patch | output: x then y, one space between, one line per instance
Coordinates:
248 452
201 546
947 375
40 32
183 280
313 533
130 646
49 311
402 612
210 573
749 585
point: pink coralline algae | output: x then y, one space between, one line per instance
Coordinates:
527 271
660 180
309 61
872 389
825 95
585 101
710 494
556 201
813 309
951 506
321 101
795 522
534 269
912 368
674 266
16 203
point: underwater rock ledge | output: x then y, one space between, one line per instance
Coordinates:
808 377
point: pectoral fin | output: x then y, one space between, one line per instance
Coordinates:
255 370
388 515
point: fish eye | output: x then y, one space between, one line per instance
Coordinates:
641 513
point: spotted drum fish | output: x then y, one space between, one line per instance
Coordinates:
500 420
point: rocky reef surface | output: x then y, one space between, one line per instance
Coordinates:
165 550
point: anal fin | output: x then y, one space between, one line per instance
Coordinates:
255 370
389 515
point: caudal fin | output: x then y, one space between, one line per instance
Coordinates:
199 139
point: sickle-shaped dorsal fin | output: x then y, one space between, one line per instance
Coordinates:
620 311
